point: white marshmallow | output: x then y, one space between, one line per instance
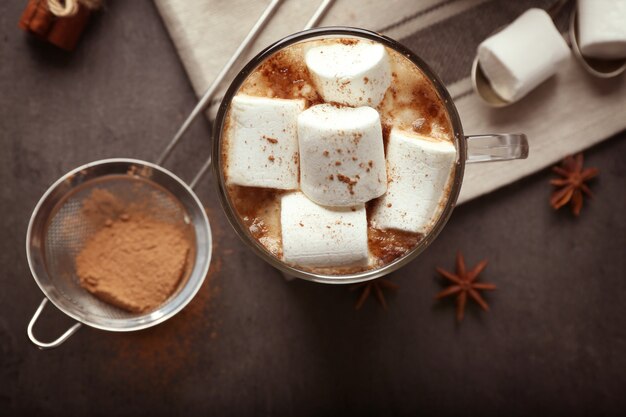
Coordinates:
342 156
263 142
317 236
523 55
602 28
418 169
355 74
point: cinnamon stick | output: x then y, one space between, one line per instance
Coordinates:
63 32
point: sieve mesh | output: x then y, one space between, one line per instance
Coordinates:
69 228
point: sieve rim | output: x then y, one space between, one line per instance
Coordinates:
160 316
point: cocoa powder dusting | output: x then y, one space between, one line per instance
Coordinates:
101 207
259 210
348 181
426 100
388 245
133 261
288 77
348 41
159 356
386 132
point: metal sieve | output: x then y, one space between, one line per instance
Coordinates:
59 229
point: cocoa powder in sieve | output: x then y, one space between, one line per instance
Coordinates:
133 261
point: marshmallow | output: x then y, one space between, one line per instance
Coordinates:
342 156
263 143
602 28
523 55
316 236
419 169
355 73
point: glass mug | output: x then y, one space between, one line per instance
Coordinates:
470 149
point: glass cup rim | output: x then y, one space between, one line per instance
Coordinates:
233 218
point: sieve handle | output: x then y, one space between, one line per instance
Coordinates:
55 343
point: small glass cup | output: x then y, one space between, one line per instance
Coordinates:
470 149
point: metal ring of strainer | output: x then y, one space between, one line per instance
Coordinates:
59 228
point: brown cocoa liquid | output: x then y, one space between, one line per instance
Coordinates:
410 103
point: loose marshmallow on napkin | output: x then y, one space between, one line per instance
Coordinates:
523 55
263 143
355 73
602 28
342 156
419 169
318 236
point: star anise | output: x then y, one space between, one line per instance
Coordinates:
572 185
376 286
464 284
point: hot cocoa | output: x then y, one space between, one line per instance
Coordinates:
338 155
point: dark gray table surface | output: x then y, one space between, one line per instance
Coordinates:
252 343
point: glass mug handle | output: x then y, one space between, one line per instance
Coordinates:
496 147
